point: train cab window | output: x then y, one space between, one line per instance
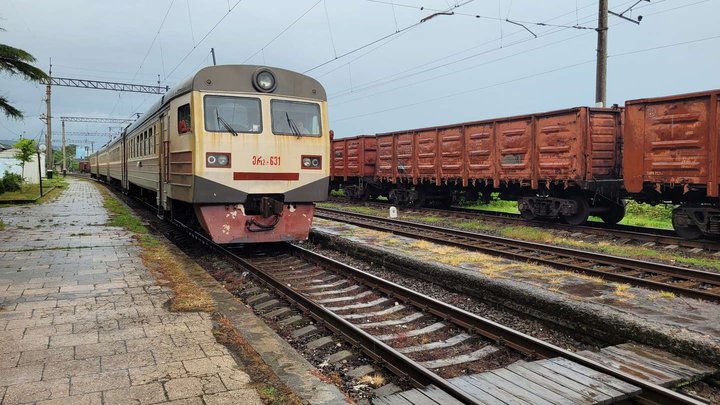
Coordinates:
184 124
232 114
295 118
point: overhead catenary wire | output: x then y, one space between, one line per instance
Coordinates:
399 76
375 82
352 51
565 67
283 31
327 17
184 58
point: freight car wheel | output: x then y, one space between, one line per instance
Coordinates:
614 215
527 214
683 226
582 213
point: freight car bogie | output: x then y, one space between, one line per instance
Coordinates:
692 222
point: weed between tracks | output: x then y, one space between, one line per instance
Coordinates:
188 296
2 225
535 234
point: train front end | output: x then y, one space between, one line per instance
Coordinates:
262 137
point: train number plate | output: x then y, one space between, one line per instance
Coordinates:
266 160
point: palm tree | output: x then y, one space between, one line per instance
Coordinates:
16 61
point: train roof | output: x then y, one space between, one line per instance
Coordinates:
238 78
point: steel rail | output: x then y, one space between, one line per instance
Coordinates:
658 235
618 268
374 348
527 344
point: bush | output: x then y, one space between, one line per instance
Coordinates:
12 182
2 186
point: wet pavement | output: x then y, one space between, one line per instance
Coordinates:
82 321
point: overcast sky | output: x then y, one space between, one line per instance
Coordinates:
451 68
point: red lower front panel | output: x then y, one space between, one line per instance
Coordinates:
229 224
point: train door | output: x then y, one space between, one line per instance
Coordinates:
124 165
164 156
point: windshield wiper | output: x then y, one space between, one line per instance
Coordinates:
292 125
227 126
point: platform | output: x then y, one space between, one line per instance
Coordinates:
82 320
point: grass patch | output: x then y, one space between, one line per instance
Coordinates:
496 205
475 226
623 291
120 215
374 380
2 225
188 295
527 233
51 188
663 295
268 385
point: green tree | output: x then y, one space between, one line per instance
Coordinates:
27 148
16 61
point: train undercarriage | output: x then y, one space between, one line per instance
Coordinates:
572 204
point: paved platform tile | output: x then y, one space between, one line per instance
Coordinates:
84 322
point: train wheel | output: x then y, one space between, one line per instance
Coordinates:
527 214
582 213
684 227
614 215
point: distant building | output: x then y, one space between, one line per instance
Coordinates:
9 163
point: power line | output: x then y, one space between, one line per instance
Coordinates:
400 76
230 10
395 77
527 77
167 12
409 27
375 82
283 31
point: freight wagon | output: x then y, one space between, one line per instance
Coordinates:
671 156
562 164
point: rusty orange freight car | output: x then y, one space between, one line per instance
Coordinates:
672 147
353 159
563 164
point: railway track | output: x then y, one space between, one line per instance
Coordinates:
682 281
311 283
347 302
664 237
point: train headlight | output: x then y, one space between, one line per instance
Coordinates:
312 162
217 159
264 80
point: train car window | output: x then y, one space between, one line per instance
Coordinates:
295 118
232 114
184 123
152 141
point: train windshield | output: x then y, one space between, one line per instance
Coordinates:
295 118
232 114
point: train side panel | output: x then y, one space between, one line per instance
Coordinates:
673 142
354 157
480 153
143 164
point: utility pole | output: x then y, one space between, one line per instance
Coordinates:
48 134
601 69
64 168
212 51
